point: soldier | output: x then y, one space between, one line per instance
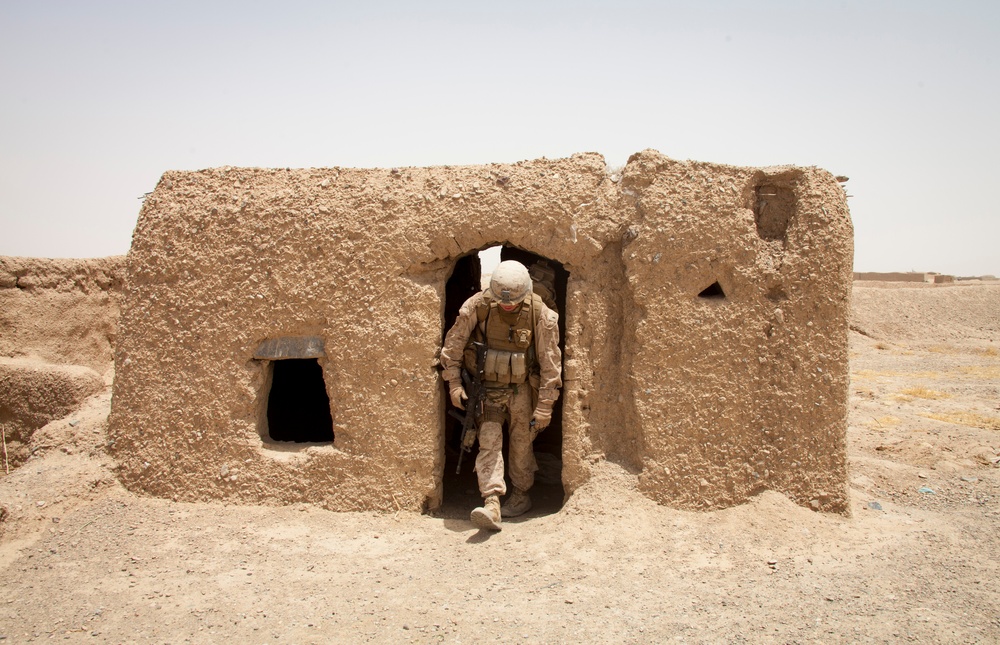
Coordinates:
522 380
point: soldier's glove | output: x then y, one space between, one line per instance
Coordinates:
542 416
457 393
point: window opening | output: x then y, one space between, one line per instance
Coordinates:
298 407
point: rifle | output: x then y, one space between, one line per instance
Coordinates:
477 394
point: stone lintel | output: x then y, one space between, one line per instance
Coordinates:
275 349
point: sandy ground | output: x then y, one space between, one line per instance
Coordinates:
84 560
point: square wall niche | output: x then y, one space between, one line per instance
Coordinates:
774 207
296 406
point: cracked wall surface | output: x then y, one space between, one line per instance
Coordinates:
708 398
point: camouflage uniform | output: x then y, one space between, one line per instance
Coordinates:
511 402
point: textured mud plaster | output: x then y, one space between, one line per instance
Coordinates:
60 311
747 391
709 399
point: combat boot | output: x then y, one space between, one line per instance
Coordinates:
487 516
517 504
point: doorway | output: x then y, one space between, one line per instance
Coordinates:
461 491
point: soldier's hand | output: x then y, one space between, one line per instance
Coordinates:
542 416
458 395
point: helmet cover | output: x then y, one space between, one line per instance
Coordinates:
510 283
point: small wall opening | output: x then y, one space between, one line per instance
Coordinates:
461 491
713 292
774 206
298 407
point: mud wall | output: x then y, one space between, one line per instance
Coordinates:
32 393
742 280
706 324
892 277
58 320
61 311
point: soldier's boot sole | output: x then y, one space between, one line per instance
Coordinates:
484 519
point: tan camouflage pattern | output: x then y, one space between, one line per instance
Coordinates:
518 403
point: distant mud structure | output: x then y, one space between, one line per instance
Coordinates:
57 333
279 328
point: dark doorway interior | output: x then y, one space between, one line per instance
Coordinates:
461 491
549 442
298 407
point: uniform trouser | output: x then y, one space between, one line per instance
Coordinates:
489 461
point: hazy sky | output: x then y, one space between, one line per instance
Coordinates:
99 98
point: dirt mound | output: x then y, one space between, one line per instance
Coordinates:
32 393
927 313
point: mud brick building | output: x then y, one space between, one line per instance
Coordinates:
279 328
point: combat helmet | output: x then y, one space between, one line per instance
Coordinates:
510 283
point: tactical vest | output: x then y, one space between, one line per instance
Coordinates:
509 338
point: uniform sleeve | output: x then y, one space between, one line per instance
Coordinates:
549 356
457 338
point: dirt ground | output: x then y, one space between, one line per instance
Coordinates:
84 560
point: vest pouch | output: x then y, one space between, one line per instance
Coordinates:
503 367
518 367
491 365
500 367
